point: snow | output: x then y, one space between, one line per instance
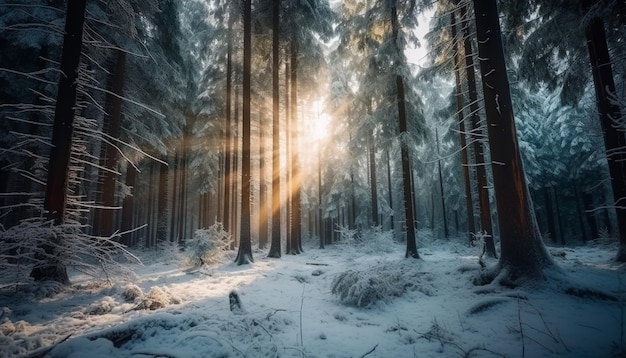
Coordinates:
289 310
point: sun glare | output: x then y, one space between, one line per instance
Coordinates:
319 123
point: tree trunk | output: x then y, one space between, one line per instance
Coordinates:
469 206
55 200
320 231
182 199
486 225
390 190
244 255
609 111
580 216
262 188
522 251
276 204
288 179
547 198
443 198
174 217
228 153
161 223
411 244
112 126
373 185
409 217
296 219
589 214
558 216
128 205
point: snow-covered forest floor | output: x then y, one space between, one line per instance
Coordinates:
428 308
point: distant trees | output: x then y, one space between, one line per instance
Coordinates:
159 150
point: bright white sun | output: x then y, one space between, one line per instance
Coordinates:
320 126
319 123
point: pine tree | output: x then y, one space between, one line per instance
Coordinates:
244 255
523 254
58 166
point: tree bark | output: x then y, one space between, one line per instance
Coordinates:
486 225
55 199
547 198
161 223
409 217
411 244
373 181
390 191
128 205
244 255
443 198
262 189
226 197
469 205
296 180
523 254
275 249
112 126
609 110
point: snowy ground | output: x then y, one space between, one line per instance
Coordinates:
289 310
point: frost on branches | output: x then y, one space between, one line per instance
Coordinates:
380 282
208 246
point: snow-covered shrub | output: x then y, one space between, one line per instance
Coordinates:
207 246
376 241
105 305
380 282
347 235
131 292
169 251
371 241
21 249
158 297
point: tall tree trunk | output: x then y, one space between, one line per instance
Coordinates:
161 222
373 185
580 216
244 255
128 205
477 134
228 153
609 110
262 188
443 198
547 198
469 205
409 216
390 190
152 194
276 204
409 222
53 267
589 214
296 215
320 231
112 126
522 251
174 221
558 215
182 199
288 176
